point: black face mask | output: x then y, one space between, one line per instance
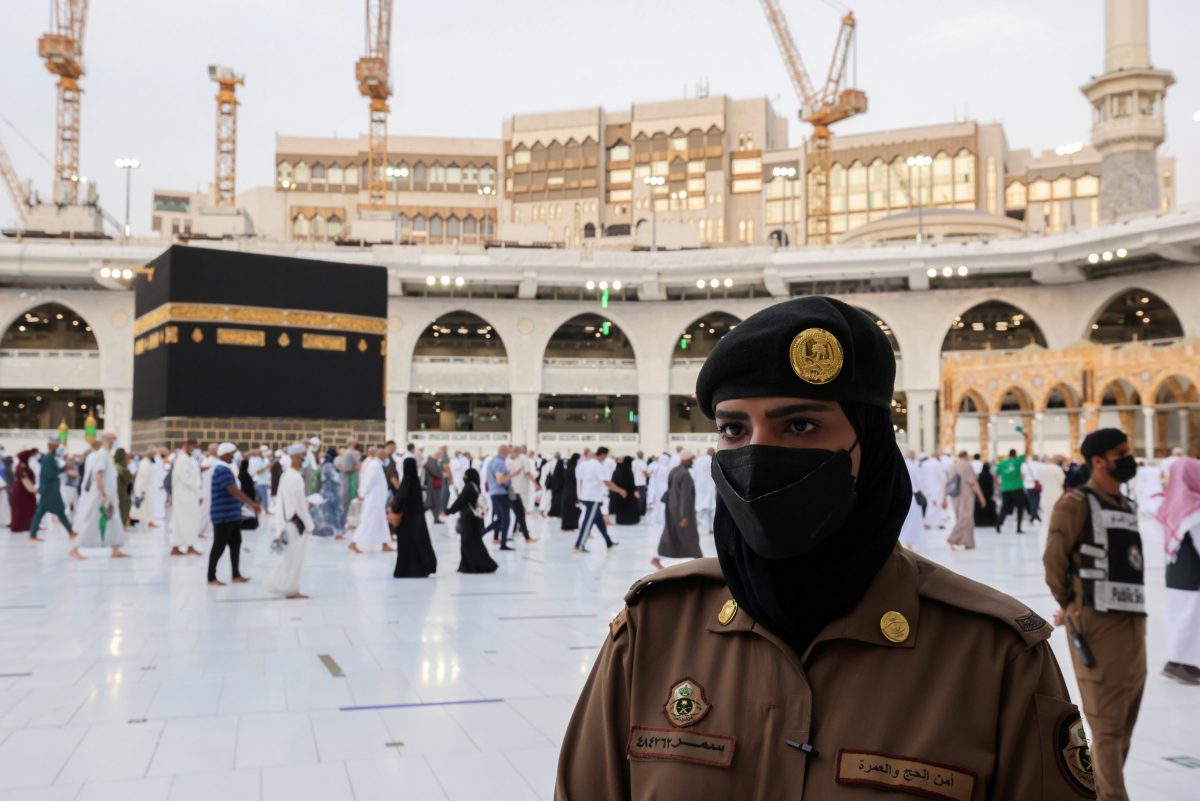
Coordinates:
1124 469
785 501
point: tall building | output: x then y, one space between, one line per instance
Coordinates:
1127 120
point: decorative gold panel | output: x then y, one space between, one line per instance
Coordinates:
241 336
323 342
258 315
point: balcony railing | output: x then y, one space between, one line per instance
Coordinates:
36 353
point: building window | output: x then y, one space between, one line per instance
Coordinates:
318 173
964 177
470 175
857 185
454 177
1087 186
521 156
419 223
746 166
350 176
335 227
299 227
420 175
470 226
453 228
746 231
436 230
487 176
943 179
620 176
1014 195
303 173
336 175
620 195
437 176
619 152
318 227
744 185
1039 190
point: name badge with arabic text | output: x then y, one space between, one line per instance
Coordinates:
905 775
700 748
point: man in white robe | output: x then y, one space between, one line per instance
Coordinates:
659 471
142 499
97 500
933 487
207 464
706 490
297 527
373 491
188 512
159 480
910 532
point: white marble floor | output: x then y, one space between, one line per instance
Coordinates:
133 680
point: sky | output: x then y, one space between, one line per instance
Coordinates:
459 69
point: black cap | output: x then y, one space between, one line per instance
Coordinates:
1101 441
810 347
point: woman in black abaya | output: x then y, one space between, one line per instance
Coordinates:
414 552
625 507
474 554
570 496
985 515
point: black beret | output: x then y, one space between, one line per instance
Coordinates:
811 347
1101 441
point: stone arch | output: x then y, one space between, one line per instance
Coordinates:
1021 397
975 398
1121 318
456 326
702 334
574 327
992 324
1181 389
48 326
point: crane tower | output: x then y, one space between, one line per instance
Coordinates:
62 50
374 83
225 182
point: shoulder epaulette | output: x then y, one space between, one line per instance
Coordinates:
949 588
707 568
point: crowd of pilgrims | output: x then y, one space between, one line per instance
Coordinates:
377 498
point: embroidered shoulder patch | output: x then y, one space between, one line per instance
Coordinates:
697 747
1075 756
686 704
905 775
1030 622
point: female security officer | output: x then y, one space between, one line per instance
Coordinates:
814 658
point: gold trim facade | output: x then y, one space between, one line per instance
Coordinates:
258 315
247 337
323 342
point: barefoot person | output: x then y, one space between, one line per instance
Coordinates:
50 500
97 505
297 527
373 491
680 538
226 512
187 512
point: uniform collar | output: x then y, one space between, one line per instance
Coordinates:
894 589
1118 499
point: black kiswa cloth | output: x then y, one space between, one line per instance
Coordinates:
795 598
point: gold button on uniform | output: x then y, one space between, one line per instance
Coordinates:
727 612
894 626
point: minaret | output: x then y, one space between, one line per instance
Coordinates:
1127 112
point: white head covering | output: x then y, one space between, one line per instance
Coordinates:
314 441
226 447
264 448
686 454
297 449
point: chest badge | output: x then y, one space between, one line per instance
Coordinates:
686 704
727 612
894 626
1135 557
816 356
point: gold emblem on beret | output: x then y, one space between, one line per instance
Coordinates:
894 626
727 612
686 704
816 356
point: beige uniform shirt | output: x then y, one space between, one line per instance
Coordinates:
933 685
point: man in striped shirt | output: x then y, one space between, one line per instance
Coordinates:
226 514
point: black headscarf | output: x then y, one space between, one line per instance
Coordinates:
795 598
623 474
410 484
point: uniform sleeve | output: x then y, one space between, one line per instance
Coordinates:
1066 526
1041 754
592 763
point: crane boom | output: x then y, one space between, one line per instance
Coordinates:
821 109
14 187
225 183
62 50
374 83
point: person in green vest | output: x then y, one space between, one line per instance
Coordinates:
50 500
1012 489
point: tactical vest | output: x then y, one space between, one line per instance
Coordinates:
1111 567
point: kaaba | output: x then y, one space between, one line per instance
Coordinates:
237 345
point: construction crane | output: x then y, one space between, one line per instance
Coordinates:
820 108
63 51
225 182
371 71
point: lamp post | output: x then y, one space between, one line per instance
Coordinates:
286 185
487 192
919 160
396 173
1069 150
789 173
652 182
128 165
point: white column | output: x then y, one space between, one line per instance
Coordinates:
1148 416
922 408
654 421
525 419
1039 432
1185 424
118 415
993 440
396 426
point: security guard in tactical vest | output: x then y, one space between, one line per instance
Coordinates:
1094 568
813 658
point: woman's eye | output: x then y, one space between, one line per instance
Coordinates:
801 426
730 430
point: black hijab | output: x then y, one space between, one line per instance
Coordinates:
795 598
623 474
410 484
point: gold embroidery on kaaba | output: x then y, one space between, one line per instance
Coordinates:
197 335
171 334
241 336
323 342
284 340
257 315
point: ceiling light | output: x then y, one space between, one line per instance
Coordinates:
1145 299
590 285
699 283
1093 258
430 280
1107 255
1139 313
445 280
714 283
616 284
962 270
728 282
931 272
105 272
604 285
947 271
459 281
1122 253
